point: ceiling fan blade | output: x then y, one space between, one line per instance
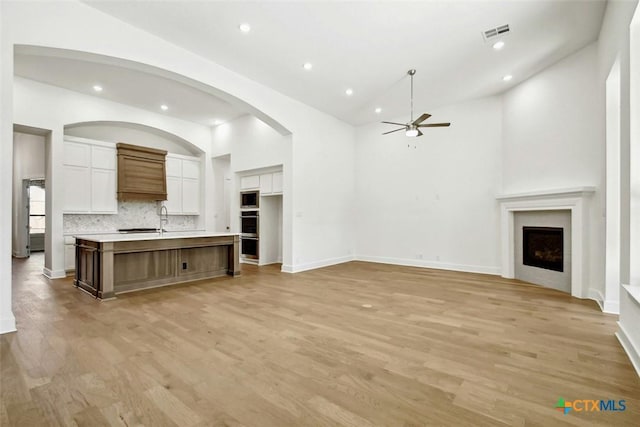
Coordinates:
394 123
391 131
435 125
421 119
419 133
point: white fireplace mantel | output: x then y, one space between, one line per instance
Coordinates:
573 199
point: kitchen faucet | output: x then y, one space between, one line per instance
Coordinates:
163 220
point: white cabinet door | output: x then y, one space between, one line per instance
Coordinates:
69 257
190 196
77 189
250 182
76 154
174 167
103 157
103 191
191 169
266 183
277 183
174 195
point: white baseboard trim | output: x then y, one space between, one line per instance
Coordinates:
629 347
606 306
597 296
431 264
54 274
7 323
316 264
611 307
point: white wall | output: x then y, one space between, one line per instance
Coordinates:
251 143
323 187
28 162
132 134
629 326
430 201
553 133
7 319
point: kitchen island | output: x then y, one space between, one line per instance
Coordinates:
110 264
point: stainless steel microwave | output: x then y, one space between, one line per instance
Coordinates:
249 199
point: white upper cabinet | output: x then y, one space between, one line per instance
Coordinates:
173 166
191 169
77 189
190 196
103 191
277 183
174 195
77 154
266 183
183 185
103 157
250 182
89 177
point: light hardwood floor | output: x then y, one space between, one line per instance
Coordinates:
272 349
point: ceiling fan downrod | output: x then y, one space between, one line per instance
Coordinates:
411 73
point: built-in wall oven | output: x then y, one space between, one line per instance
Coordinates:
249 229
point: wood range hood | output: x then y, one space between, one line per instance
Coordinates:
141 173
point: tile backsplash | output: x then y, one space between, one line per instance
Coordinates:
130 215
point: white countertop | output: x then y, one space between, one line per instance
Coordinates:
128 237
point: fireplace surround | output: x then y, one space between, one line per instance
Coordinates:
576 200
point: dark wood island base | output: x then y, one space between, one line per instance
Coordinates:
107 265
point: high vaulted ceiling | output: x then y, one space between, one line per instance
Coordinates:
367 46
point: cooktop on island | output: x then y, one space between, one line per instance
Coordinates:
137 230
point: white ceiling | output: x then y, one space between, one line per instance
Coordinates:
368 46
124 85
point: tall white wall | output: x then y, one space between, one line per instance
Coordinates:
613 45
7 319
28 163
319 184
430 201
323 187
628 326
553 138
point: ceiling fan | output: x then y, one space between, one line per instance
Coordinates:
412 128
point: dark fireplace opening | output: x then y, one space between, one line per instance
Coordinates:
543 247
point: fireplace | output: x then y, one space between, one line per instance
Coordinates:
543 247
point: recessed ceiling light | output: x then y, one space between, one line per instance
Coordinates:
307 65
507 77
164 107
498 45
378 110
97 88
244 27
349 92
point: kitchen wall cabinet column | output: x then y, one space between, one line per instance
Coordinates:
89 177
183 185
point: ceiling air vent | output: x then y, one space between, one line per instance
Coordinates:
495 32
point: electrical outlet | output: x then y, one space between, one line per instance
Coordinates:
184 265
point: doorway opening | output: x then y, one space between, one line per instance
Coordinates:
35 198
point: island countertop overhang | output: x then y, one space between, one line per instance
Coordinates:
130 237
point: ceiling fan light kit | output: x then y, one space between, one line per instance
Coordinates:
412 129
